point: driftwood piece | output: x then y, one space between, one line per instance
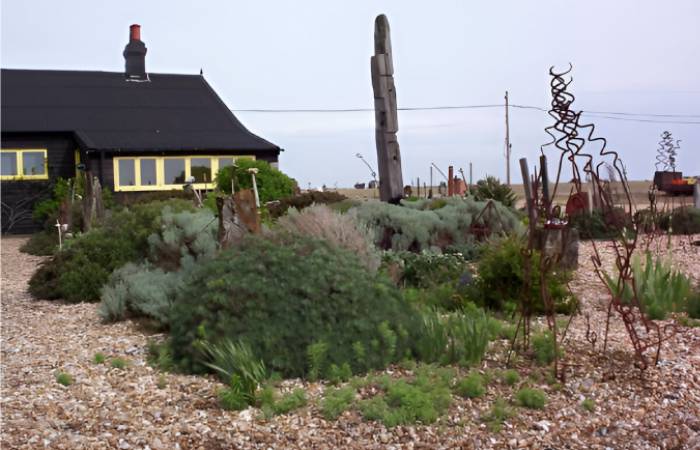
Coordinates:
93 209
238 216
386 116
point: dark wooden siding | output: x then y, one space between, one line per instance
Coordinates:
19 197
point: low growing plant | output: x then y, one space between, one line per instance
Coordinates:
543 348
588 404
336 401
531 398
64 378
118 363
99 358
472 386
510 377
499 413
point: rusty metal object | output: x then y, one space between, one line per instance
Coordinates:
667 153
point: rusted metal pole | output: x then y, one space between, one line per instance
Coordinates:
545 184
525 171
450 181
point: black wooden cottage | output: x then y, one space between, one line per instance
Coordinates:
135 131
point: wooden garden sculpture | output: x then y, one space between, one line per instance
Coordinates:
386 117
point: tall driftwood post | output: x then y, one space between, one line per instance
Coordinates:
386 117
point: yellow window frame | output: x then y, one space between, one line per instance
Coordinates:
19 161
160 172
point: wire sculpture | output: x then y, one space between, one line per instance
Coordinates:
572 138
667 152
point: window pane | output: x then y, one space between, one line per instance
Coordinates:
174 171
33 163
201 170
127 174
148 172
225 162
8 165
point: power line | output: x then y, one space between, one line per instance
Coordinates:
612 115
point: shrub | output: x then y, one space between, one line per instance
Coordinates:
588 404
501 277
304 200
340 230
599 225
294 400
472 386
531 398
42 243
415 227
543 348
660 288
298 293
336 401
491 188
318 356
428 269
458 337
147 290
78 272
684 220
64 379
236 364
99 358
404 402
510 377
272 184
693 305
119 363
499 413
445 296
160 356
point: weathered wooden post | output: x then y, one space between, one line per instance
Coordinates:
450 181
386 116
696 194
545 184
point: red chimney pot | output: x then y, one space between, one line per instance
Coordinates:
135 32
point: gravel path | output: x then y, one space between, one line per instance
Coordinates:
113 408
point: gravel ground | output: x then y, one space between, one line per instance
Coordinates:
126 409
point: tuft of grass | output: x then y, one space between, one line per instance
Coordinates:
499 413
338 374
271 406
99 358
336 401
162 382
160 356
64 378
119 363
588 404
232 399
472 386
510 377
531 398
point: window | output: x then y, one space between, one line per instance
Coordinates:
166 173
149 175
29 164
175 171
201 170
127 172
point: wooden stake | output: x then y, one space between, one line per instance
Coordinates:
525 171
507 144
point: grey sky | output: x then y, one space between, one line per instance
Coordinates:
628 55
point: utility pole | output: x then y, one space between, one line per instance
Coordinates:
507 144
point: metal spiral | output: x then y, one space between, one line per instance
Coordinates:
666 153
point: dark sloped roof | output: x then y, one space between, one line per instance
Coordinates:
170 112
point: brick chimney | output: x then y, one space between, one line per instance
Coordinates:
135 55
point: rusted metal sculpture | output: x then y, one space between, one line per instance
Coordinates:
570 137
667 152
386 116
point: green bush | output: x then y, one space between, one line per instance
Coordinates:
499 413
236 364
119 363
99 358
415 226
684 220
693 305
64 378
510 377
304 200
272 184
296 293
407 402
543 348
472 386
42 243
501 278
78 272
148 289
336 401
427 269
531 398
271 406
600 225
458 337
660 288
491 188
